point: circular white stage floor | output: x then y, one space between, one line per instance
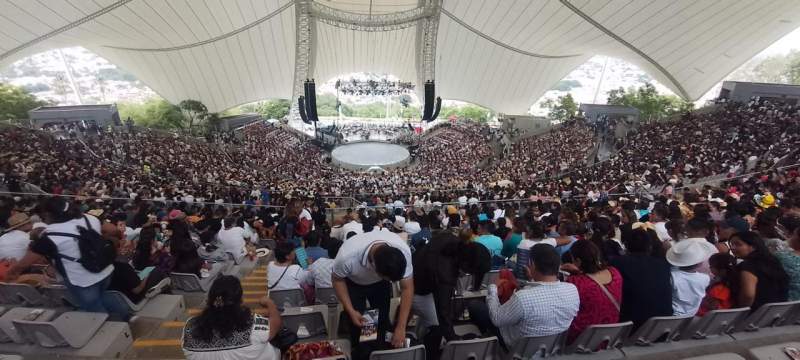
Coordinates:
366 154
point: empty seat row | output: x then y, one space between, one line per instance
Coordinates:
27 295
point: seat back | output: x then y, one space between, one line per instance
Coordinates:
312 322
186 282
43 333
476 349
600 337
657 328
768 315
490 277
287 298
412 353
158 288
121 301
20 294
326 296
715 323
537 347
58 296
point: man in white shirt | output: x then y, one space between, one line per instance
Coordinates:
658 216
14 242
545 308
688 284
352 226
363 271
233 240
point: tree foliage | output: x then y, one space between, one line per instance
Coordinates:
561 109
781 69
651 104
16 101
194 112
155 113
467 112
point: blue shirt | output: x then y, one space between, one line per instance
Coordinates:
491 242
316 252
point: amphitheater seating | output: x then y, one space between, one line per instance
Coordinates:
310 323
8 330
476 349
20 294
287 298
536 347
411 353
715 323
660 328
609 336
58 296
775 351
768 315
326 296
190 282
62 330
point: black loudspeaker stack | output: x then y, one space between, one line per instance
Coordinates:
427 110
301 106
311 101
437 108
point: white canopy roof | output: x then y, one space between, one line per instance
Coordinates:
502 54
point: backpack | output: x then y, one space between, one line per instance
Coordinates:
303 227
97 253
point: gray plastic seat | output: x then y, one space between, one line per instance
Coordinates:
62 330
594 337
537 347
58 296
490 277
768 315
188 282
326 296
287 298
158 288
9 332
655 328
476 349
313 322
20 294
715 323
123 302
411 353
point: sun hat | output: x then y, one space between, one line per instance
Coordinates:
412 228
767 201
690 252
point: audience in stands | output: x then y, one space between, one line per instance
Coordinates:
226 329
719 294
688 282
283 273
546 308
762 278
599 288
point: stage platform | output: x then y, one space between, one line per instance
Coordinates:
366 154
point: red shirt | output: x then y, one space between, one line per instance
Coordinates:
596 308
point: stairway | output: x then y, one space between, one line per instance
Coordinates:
163 340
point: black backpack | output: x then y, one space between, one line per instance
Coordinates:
97 253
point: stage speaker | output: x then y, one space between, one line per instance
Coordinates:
437 108
430 91
311 102
301 106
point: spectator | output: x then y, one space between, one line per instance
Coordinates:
322 268
645 280
485 237
762 279
63 217
718 294
790 258
15 240
510 245
233 240
362 272
602 230
688 284
283 273
226 329
544 309
599 288
313 250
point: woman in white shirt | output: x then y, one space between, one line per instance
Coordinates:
283 273
228 330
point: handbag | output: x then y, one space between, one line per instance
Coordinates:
284 339
605 291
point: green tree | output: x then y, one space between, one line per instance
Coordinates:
16 101
466 112
562 109
651 104
213 122
154 113
274 109
194 112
